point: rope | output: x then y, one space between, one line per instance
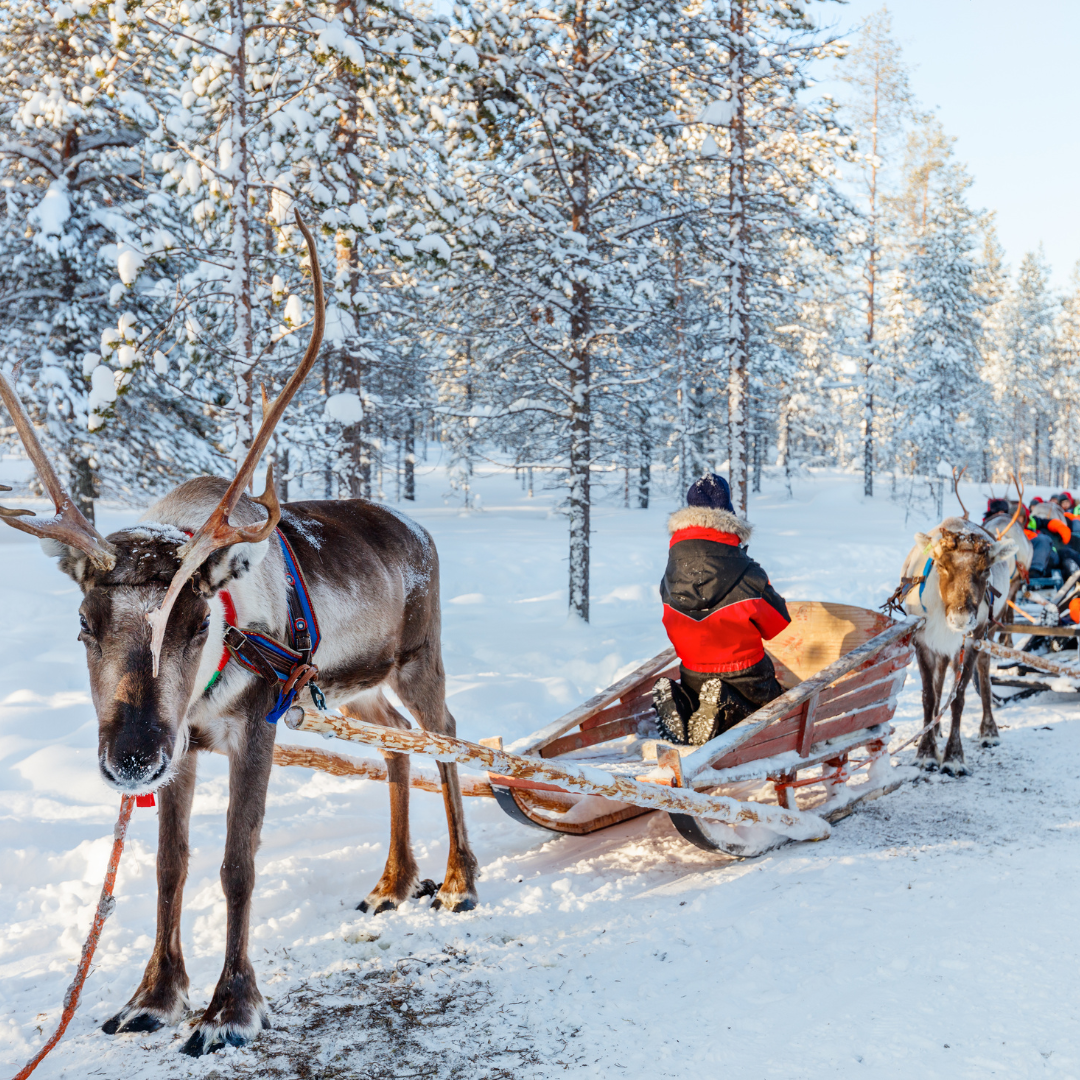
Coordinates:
105 905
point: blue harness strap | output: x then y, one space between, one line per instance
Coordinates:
289 665
922 584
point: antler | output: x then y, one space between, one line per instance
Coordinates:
216 532
68 525
1019 505
956 488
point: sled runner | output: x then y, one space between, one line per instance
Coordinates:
780 774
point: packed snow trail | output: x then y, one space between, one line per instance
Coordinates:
934 934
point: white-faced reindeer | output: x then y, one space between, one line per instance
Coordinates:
957 578
162 689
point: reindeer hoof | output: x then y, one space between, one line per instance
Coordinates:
206 1039
427 887
466 903
137 1023
986 741
928 764
380 907
955 768
197 1045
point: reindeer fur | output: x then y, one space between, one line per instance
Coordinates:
373 577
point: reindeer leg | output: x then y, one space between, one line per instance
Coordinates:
458 890
953 762
161 997
400 877
932 673
988 729
421 685
237 1011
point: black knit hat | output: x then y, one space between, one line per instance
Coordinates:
711 491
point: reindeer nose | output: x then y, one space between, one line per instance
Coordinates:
132 772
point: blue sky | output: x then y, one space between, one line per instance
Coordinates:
1004 78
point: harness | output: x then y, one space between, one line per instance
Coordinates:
895 603
288 667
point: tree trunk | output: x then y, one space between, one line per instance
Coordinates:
240 212
738 328
410 461
84 486
644 470
580 361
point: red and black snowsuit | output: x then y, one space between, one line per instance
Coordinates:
719 608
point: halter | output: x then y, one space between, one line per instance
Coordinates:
289 667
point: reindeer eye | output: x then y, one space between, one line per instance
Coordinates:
204 625
83 624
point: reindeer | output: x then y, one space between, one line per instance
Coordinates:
1003 526
161 694
957 577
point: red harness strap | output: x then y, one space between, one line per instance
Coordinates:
230 620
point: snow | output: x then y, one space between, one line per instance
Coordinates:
718 113
128 264
50 216
294 311
934 934
102 388
345 408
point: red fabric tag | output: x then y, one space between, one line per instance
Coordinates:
145 800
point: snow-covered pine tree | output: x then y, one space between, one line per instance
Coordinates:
1067 383
991 286
781 195
880 104
1023 372
570 137
942 373
74 116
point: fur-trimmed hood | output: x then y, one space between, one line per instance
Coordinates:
702 517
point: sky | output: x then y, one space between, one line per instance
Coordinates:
1002 78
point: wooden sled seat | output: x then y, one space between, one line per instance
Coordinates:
832 707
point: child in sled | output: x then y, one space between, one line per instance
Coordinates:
718 607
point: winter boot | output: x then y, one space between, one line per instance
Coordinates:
669 718
702 722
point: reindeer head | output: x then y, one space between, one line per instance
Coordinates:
140 715
963 558
145 633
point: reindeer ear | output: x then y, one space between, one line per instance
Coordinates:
72 561
229 564
922 541
1001 550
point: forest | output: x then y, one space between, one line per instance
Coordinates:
608 245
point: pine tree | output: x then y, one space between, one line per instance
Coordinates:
75 117
942 358
573 133
781 196
880 105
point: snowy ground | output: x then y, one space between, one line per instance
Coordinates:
934 934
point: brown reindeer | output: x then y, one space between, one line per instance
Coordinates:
153 649
1008 526
952 571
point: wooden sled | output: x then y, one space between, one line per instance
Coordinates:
602 763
